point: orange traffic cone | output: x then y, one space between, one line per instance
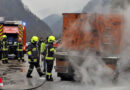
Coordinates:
1 82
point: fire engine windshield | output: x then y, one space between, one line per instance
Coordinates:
12 38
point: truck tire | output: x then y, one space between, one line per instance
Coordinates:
66 76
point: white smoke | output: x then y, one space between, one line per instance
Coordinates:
124 62
90 68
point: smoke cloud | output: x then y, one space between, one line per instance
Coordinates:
124 62
90 67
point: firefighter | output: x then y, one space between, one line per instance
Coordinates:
42 49
39 47
33 57
39 43
4 49
49 53
20 50
0 49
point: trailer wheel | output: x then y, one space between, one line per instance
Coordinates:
66 76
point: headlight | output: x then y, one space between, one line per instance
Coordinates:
10 42
15 43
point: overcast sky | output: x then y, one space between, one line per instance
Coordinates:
43 8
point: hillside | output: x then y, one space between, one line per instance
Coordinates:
55 23
51 19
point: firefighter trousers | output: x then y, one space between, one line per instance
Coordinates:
5 56
20 55
49 65
31 67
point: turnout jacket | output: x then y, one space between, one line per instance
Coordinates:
19 46
33 53
4 45
49 52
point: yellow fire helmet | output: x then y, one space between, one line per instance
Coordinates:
34 39
51 38
4 36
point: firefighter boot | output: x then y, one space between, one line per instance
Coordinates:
47 77
6 61
3 61
51 78
39 72
29 74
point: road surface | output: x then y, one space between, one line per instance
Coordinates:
14 78
69 85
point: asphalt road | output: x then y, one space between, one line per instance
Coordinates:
57 84
13 76
69 85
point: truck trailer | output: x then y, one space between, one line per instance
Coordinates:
82 31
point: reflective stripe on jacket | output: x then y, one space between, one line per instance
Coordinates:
4 45
19 47
33 53
50 50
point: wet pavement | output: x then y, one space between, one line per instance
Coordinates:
14 76
57 84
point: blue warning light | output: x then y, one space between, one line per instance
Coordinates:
24 23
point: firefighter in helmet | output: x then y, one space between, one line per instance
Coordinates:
4 49
33 57
49 57
42 48
20 50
